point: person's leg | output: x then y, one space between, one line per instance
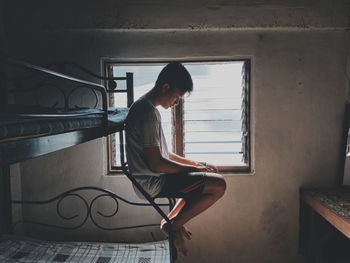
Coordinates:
180 203
213 187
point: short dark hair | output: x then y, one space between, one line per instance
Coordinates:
177 76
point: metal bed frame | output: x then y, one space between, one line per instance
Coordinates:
16 151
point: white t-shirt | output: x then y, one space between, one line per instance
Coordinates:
144 129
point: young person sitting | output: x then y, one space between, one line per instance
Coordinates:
160 172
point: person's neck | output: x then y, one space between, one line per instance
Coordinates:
153 97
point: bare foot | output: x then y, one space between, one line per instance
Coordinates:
184 230
178 236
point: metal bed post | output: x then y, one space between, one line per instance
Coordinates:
121 149
130 88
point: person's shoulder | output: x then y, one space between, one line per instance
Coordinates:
141 107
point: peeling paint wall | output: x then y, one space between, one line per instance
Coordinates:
298 100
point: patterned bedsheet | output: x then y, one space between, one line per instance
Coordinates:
20 249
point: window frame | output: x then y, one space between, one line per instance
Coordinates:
178 110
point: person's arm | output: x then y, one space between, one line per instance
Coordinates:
180 159
160 164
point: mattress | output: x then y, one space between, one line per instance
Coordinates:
36 122
20 249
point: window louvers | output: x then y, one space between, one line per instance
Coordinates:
245 111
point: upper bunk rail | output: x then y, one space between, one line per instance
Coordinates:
110 81
32 91
54 73
110 85
95 86
74 65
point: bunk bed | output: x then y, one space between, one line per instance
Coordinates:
29 131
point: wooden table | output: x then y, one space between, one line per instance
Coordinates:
321 212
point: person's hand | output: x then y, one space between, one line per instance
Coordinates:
200 168
211 168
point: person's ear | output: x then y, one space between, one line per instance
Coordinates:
165 87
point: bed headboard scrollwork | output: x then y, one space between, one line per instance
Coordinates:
88 196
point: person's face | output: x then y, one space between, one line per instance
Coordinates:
171 96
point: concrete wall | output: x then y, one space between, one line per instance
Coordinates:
298 51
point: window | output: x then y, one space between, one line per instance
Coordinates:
210 125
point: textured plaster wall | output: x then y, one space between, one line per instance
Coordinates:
298 98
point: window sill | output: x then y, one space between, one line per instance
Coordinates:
248 173
224 173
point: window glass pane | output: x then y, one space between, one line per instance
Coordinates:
212 114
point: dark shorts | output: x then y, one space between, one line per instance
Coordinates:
182 185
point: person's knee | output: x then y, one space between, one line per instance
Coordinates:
216 185
221 186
